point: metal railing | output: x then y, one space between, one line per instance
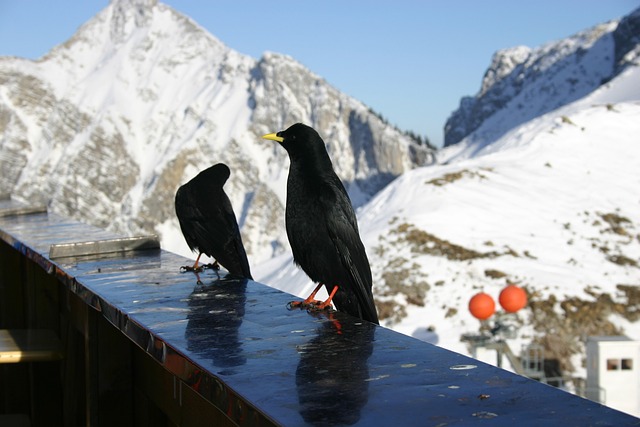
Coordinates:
145 344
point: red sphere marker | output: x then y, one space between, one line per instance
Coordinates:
482 306
513 298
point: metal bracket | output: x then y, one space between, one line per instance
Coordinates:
99 247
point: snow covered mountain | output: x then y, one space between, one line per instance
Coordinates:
551 205
106 126
523 83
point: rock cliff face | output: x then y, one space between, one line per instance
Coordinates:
523 83
106 126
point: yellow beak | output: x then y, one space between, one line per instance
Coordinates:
273 137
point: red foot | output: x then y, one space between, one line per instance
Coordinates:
195 267
312 303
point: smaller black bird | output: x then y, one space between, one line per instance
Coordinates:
322 227
208 222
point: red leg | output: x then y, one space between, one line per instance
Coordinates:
195 266
327 303
309 301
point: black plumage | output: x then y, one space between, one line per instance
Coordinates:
208 222
322 226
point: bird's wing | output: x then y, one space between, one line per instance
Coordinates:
343 231
188 214
234 249
216 225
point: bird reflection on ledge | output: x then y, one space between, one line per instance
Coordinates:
216 313
332 374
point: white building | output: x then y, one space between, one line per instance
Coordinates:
613 372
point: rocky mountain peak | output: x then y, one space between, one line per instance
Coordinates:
522 83
627 41
108 125
127 15
503 64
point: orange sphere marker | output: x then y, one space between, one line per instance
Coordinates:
513 298
482 306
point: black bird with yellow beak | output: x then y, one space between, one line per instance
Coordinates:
322 227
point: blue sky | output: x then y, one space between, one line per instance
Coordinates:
409 60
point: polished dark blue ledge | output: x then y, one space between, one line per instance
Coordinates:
236 344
